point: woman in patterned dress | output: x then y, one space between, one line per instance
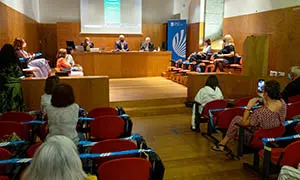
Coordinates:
271 115
11 97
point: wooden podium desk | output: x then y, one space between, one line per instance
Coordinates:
123 64
90 91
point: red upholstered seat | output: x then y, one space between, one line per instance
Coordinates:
112 145
297 128
125 169
106 111
4 178
216 104
266 133
9 127
4 154
293 110
242 101
294 99
17 117
226 117
288 156
30 152
107 127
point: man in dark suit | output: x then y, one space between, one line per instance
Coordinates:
121 45
147 45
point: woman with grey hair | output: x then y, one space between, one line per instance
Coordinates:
58 159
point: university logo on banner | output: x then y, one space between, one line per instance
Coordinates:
177 39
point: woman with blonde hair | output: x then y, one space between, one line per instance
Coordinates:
226 55
40 65
62 63
57 158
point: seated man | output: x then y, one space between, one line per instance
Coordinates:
293 88
121 45
87 44
147 45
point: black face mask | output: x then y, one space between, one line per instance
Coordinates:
122 40
224 40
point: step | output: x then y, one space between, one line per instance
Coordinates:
149 102
157 110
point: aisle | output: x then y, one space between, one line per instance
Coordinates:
129 89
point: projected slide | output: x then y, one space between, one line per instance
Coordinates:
112 11
111 16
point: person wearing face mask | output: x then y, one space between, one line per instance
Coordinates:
226 55
293 88
121 45
147 45
271 115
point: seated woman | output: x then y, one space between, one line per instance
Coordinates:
69 56
41 66
57 158
62 64
201 55
209 93
226 55
87 44
51 83
63 113
271 115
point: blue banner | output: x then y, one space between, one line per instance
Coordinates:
177 39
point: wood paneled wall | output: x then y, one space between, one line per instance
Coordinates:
48 40
193 38
71 31
281 25
14 24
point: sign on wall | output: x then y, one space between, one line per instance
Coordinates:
177 39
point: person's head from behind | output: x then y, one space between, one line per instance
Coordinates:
228 40
207 42
62 53
122 38
56 158
69 50
294 72
19 44
212 81
272 91
62 96
148 40
8 56
51 83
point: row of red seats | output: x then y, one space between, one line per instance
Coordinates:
100 129
222 119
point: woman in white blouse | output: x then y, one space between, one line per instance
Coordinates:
63 113
50 84
209 93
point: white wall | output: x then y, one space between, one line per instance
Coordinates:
53 11
182 7
154 11
194 11
29 8
243 7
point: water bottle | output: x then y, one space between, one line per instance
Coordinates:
158 49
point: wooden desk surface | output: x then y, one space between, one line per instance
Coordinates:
123 64
90 91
